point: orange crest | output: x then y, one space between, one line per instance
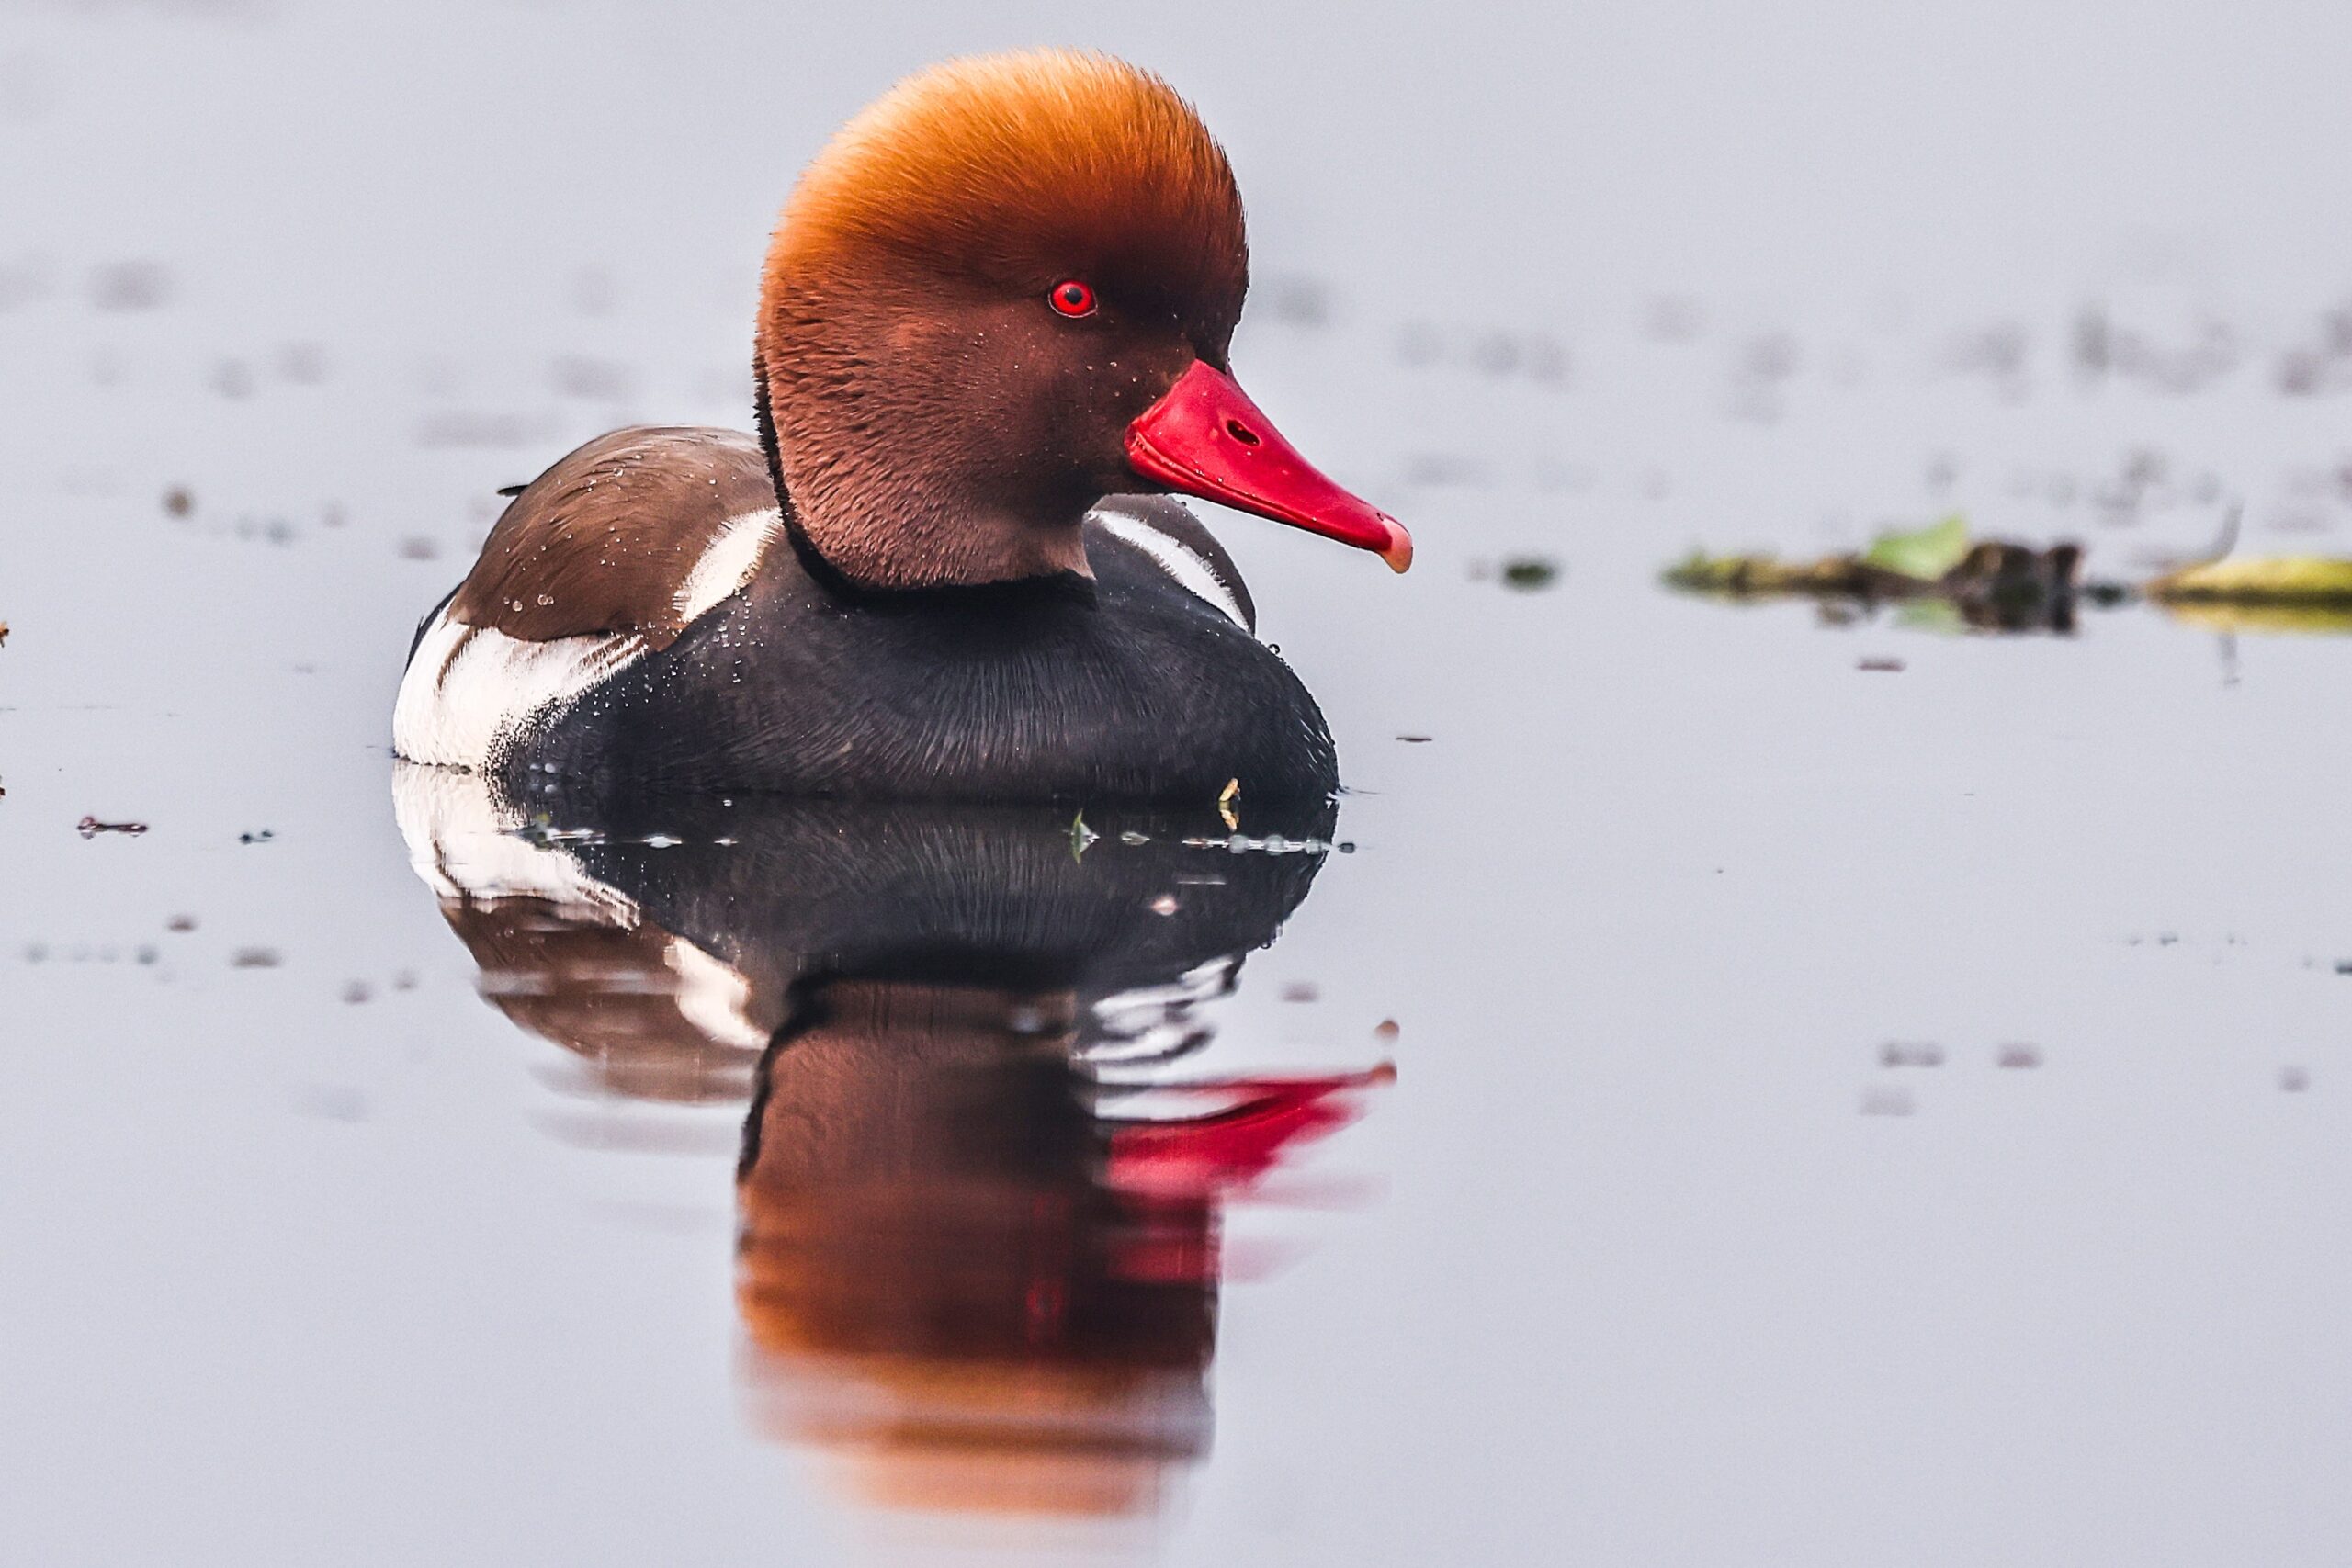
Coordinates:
1019 171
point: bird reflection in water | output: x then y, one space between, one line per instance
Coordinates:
982 1175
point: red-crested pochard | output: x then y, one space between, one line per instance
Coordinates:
992 336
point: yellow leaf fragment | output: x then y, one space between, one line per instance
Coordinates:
2307 619
2258 580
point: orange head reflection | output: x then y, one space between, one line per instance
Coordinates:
959 1271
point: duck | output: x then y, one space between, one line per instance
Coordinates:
990 351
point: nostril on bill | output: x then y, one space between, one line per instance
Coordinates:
1241 433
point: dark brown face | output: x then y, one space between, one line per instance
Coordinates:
964 423
1037 388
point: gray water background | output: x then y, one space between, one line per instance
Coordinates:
1664 1266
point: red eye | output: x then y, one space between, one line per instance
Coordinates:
1072 298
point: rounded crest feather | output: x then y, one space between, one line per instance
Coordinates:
1019 170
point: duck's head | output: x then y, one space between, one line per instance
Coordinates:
1003 291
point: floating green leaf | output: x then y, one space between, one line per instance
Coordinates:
1924 553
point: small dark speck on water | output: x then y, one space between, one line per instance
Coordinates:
1302 991
261 836
1416 739
255 958
1386 1031
416 547
1529 574
333 1103
178 501
180 923
145 953
2294 1080
1299 302
1887 1102
2019 1056
358 991
90 828
304 364
2344 966
1881 666
1901 1053
130 285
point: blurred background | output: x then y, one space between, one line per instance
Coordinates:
1864 1092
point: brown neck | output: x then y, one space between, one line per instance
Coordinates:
887 502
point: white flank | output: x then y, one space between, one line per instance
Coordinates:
714 997
468 688
733 556
1190 572
462 843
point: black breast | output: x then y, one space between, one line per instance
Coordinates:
1128 688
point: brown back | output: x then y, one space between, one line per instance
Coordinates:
603 541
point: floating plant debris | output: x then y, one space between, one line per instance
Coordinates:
2260 593
1529 574
1994 584
1943 579
2259 619
90 828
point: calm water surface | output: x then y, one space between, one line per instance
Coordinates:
1729 1106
